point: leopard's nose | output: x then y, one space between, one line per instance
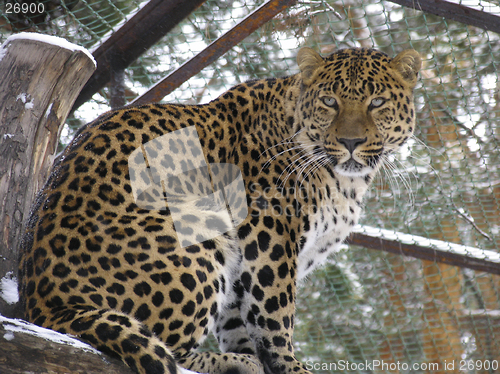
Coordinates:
351 144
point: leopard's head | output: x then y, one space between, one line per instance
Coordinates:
355 107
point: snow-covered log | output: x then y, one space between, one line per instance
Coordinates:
41 77
27 348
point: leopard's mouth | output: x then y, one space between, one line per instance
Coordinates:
351 165
354 168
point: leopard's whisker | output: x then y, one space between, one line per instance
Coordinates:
274 157
289 168
320 160
285 141
315 156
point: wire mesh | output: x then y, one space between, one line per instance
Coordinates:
364 307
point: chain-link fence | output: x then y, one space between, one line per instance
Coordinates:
365 307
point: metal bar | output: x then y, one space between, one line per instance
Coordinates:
210 54
456 12
465 257
135 37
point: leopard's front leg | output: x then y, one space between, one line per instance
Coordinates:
268 277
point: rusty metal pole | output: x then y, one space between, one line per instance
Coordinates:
455 12
155 19
477 259
215 50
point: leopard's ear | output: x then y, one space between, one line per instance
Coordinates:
308 60
408 64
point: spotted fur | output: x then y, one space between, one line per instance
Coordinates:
100 263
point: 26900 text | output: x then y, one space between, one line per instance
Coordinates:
32 8
478 365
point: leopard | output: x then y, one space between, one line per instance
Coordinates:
160 224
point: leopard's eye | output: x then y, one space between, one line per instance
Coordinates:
329 101
377 102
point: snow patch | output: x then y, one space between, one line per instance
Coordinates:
8 136
8 336
13 326
3 51
185 371
8 288
47 112
49 39
28 103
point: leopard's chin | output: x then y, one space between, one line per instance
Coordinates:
352 168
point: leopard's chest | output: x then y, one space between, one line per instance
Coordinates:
328 227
